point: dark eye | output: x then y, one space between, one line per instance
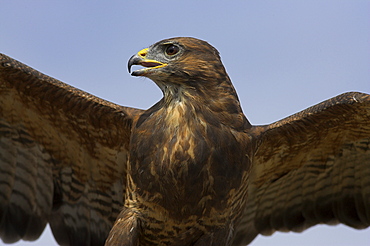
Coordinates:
172 50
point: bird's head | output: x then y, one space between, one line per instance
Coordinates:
190 70
184 61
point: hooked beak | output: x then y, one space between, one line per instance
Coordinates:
140 59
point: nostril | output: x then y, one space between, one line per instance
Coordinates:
142 53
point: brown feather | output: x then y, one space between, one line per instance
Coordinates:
312 167
63 155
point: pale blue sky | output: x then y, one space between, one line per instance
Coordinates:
282 57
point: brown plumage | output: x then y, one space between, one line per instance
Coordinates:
191 170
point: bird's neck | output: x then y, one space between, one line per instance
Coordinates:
217 103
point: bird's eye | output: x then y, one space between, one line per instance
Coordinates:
172 50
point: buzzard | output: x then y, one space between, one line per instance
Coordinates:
190 170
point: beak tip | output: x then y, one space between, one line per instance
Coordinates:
134 60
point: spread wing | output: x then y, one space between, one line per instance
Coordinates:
312 167
62 158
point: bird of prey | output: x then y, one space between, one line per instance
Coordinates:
190 170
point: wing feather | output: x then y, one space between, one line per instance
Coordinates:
62 158
312 167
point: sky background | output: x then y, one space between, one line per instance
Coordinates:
282 56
